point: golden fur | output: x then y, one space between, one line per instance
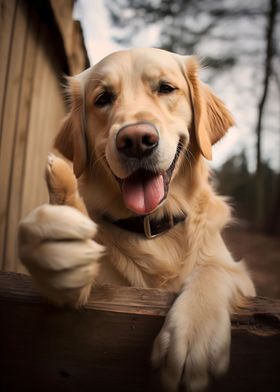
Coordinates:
191 258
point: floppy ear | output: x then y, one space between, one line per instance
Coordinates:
71 139
211 118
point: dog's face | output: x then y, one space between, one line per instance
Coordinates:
137 112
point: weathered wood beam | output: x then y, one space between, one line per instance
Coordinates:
106 345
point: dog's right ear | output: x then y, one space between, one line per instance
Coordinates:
211 117
71 139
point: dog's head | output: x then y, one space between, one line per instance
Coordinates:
137 112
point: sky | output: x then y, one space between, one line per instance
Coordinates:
242 102
97 29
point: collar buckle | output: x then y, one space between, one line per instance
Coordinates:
148 231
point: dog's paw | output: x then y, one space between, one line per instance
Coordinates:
61 181
56 246
192 343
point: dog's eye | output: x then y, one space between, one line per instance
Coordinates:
104 99
165 88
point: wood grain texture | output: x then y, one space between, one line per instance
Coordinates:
7 21
72 35
9 119
32 62
106 345
19 143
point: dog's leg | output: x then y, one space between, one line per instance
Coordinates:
195 338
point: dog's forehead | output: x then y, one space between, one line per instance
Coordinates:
141 63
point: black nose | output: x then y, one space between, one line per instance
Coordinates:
137 140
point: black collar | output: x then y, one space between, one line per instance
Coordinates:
146 226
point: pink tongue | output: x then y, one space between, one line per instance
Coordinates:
143 191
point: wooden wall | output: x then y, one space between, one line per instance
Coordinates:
31 108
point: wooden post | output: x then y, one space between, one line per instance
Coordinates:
106 345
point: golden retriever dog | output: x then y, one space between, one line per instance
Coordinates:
142 213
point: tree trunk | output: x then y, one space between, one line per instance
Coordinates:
260 202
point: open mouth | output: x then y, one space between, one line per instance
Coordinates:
144 190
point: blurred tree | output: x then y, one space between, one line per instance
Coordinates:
184 24
235 180
268 74
273 218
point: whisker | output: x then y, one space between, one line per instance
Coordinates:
189 157
94 161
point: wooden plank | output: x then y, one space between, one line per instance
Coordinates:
132 300
72 35
44 132
10 112
7 20
21 137
34 145
63 15
106 345
52 113
45 111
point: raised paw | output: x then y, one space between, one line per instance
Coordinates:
56 245
62 184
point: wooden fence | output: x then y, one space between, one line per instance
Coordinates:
35 51
106 346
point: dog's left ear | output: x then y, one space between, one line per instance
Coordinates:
211 118
71 139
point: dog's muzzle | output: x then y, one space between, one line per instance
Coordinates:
146 187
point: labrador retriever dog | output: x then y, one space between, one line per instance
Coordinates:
142 212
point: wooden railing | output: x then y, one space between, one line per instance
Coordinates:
106 345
